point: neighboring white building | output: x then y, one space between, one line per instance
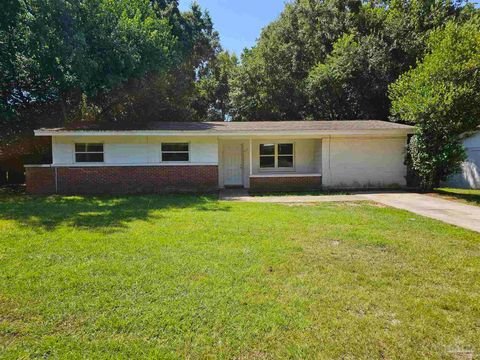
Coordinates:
469 177
261 156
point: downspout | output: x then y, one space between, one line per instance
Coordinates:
329 158
53 142
56 180
251 156
250 150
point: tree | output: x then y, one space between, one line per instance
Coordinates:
213 87
441 96
325 85
334 59
98 60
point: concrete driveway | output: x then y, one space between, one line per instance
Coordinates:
451 212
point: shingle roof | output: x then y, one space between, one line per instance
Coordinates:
247 126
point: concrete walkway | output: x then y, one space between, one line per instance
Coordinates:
451 212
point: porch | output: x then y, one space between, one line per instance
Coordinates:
271 164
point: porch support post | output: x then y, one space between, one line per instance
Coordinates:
251 157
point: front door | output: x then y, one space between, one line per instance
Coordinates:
232 165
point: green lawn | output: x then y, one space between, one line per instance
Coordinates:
192 277
469 196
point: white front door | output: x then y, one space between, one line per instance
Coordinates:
232 165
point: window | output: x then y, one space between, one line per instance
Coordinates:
267 155
89 153
175 152
276 156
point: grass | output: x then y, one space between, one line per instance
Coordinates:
471 197
193 277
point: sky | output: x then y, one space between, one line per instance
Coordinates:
239 22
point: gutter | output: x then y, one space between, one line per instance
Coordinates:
256 134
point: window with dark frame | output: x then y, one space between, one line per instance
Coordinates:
285 155
267 155
89 153
276 155
175 152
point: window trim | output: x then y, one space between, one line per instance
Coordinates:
276 155
75 152
175 152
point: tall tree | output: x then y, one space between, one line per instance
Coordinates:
212 100
442 97
98 60
334 59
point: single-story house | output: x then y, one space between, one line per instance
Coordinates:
185 156
469 176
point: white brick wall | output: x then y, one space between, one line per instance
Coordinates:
363 162
131 150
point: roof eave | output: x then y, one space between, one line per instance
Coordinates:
255 133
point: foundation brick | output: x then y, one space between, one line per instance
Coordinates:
118 180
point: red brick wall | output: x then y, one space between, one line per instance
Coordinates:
40 180
288 183
131 180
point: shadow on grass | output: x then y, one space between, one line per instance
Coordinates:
471 196
108 213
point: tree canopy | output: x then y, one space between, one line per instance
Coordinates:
334 59
99 60
441 95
